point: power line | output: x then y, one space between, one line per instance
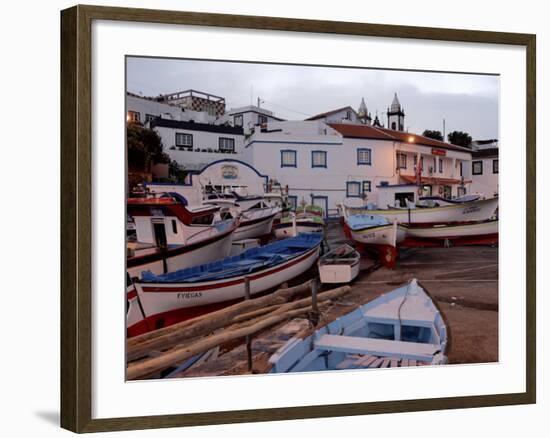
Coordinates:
286 108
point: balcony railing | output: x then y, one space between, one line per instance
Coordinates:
205 150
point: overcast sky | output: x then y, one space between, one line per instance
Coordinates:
466 102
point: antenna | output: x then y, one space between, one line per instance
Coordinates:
443 129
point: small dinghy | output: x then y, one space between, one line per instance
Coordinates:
183 294
400 328
341 265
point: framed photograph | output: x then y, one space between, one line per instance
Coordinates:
303 218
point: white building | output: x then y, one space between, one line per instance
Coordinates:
340 156
484 170
355 164
194 145
248 118
225 175
345 114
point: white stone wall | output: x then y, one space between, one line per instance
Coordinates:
485 184
201 140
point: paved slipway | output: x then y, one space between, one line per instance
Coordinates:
463 281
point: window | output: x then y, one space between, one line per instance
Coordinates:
133 117
495 166
366 186
288 158
393 126
477 167
238 120
461 168
353 189
318 159
348 115
403 199
401 161
461 191
293 202
185 140
174 227
262 119
441 165
363 157
149 117
226 144
447 192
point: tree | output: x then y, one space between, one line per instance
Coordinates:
460 138
177 173
144 148
436 135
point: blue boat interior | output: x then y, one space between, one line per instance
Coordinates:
360 340
251 260
360 221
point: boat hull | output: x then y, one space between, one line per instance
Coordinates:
343 273
182 257
467 212
400 326
284 230
163 298
451 231
254 228
381 235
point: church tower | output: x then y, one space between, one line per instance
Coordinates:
363 113
396 115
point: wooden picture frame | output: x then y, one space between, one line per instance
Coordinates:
76 222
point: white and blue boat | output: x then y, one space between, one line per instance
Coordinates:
370 229
222 281
400 328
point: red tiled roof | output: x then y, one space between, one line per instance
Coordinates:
366 131
360 131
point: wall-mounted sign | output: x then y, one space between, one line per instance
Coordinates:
441 152
230 172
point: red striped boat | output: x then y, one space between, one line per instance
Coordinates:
189 292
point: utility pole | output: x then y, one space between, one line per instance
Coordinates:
443 129
259 101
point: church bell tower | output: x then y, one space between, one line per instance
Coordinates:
396 115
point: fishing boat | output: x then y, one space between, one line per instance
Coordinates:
436 201
306 219
172 236
470 211
255 218
340 265
376 233
400 328
187 293
484 232
370 229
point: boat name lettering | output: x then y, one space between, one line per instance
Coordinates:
471 210
369 235
189 295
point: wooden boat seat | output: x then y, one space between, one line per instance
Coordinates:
377 347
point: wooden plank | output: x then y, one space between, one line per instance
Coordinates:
385 363
394 362
412 363
404 362
376 363
377 347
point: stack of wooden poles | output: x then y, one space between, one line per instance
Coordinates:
151 353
